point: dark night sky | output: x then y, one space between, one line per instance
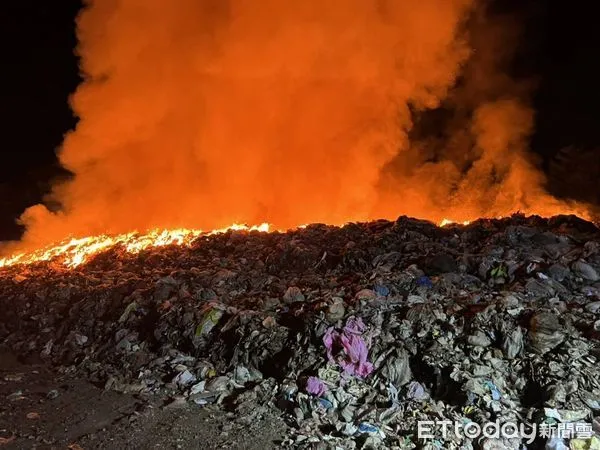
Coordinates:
40 70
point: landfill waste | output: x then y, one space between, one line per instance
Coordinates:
355 334
351 345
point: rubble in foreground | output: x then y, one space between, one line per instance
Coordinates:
354 334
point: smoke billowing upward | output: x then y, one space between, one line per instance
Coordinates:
201 113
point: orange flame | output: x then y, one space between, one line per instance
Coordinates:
199 113
76 251
446 222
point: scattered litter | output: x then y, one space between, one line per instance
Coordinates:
348 348
315 386
355 334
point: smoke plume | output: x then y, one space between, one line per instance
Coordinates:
201 113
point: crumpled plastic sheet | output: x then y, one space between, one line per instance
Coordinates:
348 348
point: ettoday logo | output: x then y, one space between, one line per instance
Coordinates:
507 430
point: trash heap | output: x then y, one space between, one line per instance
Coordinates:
355 334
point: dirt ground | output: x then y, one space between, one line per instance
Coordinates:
43 409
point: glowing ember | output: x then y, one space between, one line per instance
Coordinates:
446 222
76 251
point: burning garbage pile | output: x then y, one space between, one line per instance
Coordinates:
357 335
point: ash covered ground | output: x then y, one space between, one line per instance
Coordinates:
322 337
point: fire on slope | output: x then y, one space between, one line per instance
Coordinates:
201 113
73 252
76 251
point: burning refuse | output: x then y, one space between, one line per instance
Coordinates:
196 114
446 222
76 251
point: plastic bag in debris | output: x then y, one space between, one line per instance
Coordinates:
546 332
315 386
396 368
348 348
